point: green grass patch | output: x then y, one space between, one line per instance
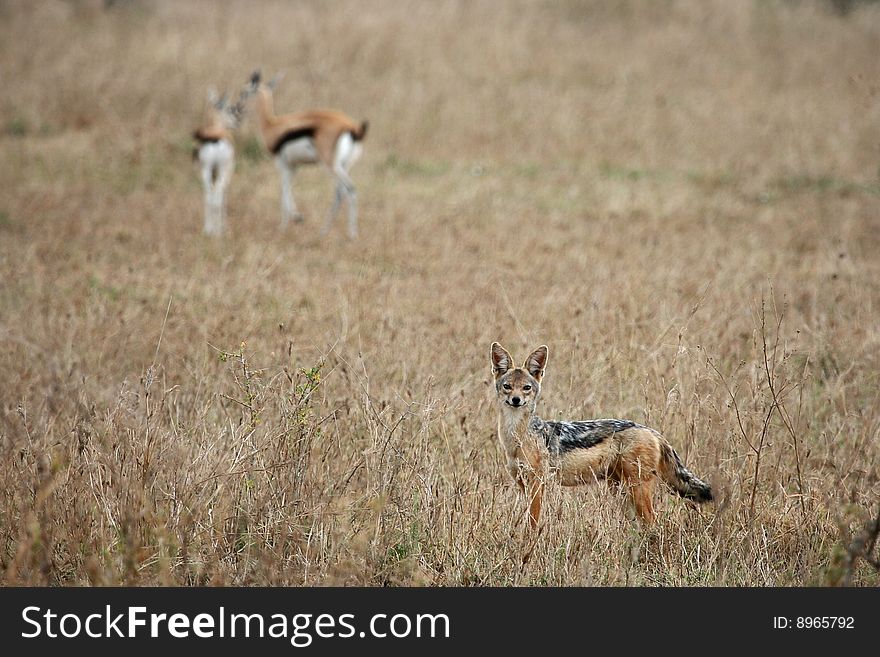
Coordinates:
402 166
821 184
530 170
631 174
17 127
102 289
711 179
252 149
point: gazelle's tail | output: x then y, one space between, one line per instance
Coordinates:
361 132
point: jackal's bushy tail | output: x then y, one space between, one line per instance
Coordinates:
682 480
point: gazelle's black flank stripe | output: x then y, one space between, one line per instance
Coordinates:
200 137
292 135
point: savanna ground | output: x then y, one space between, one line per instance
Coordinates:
682 199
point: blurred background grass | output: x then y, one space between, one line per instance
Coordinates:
680 198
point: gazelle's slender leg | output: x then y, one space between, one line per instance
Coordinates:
215 210
334 209
288 205
220 209
221 184
344 188
352 213
208 184
346 185
346 154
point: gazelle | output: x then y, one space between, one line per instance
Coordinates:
310 137
216 155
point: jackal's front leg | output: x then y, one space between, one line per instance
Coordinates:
534 488
515 468
530 480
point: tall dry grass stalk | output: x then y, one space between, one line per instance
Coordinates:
682 199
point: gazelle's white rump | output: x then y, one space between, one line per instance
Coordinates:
216 154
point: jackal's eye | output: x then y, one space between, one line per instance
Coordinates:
527 387
507 386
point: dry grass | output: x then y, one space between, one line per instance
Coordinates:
680 198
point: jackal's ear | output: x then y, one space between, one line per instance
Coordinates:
536 362
501 360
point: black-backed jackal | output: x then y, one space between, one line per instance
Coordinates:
617 451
